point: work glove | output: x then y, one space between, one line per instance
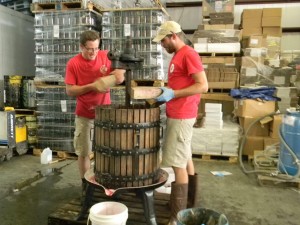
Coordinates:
167 95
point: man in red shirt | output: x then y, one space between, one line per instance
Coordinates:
88 77
186 81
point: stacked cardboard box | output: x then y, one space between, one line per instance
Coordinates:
271 22
265 21
251 22
248 111
217 41
213 115
224 77
216 141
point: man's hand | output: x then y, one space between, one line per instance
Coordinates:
119 74
167 95
102 84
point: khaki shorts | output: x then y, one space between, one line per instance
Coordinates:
176 149
83 136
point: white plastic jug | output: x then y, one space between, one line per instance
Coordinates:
46 156
108 213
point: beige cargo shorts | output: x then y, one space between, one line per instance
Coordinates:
176 148
83 136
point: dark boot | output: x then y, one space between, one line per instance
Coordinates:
83 190
178 200
193 190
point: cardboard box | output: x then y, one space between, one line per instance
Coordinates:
268 141
229 60
257 129
254 41
270 12
272 31
252 22
253 108
252 13
252 144
274 21
227 106
224 47
275 126
252 31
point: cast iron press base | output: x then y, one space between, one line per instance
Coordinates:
143 192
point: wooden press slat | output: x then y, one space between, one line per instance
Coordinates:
141 163
106 141
111 140
147 145
118 140
136 141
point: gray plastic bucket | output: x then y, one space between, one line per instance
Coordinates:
201 216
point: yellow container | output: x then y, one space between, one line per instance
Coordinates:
15 80
21 130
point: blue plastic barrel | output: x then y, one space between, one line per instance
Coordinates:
290 131
199 216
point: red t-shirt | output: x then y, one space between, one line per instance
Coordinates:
184 63
80 71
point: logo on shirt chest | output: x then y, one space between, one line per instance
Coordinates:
103 70
172 67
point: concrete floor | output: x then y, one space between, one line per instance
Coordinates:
29 192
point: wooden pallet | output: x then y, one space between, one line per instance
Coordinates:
207 157
67 214
219 90
264 180
25 112
63 6
44 82
214 54
59 154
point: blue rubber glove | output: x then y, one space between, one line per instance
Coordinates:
166 95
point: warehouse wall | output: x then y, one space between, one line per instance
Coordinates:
16 43
191 17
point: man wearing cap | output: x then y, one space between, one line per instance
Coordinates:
186 81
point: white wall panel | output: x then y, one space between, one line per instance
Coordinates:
16 43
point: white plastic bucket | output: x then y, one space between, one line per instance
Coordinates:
108 213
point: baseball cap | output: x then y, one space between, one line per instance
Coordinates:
168 27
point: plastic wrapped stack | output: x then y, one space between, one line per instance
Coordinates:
57 32
140 25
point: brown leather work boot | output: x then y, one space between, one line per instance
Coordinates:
192 191
178 200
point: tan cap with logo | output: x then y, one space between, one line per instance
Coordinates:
168 27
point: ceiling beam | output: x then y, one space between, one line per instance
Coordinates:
284 30
237 2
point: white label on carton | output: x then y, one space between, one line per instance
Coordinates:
56 31
218 6
127 30
254 41
63 105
